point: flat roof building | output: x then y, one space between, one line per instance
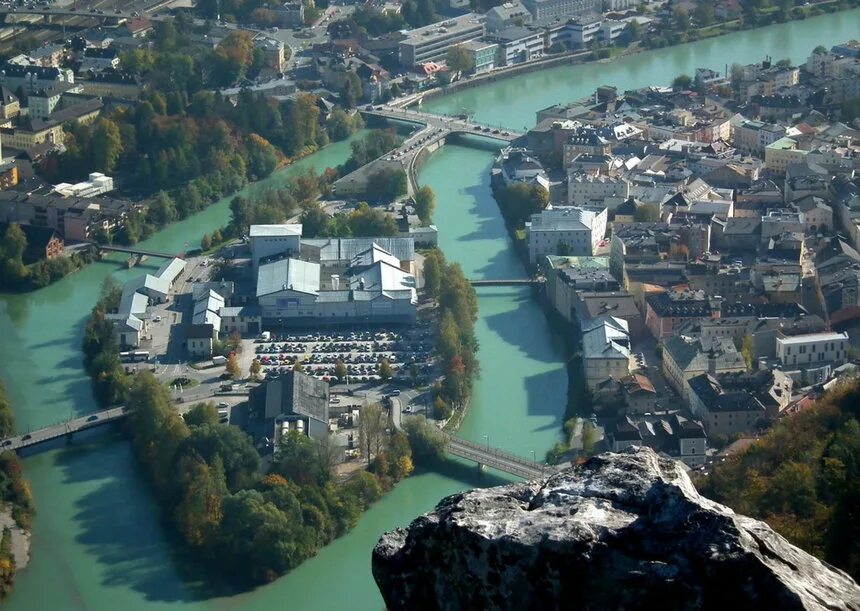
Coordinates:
431 42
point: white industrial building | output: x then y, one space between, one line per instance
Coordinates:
569 230
431 42
274 240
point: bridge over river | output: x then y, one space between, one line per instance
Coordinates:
484 455
431 136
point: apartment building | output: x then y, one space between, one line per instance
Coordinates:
431 42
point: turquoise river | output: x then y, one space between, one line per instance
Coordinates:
98 541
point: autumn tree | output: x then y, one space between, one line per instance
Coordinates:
205 242
385 371
255 369
340 370
371 429
232 367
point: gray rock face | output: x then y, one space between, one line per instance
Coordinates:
623 531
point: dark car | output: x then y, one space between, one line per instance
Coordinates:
93 417
26 437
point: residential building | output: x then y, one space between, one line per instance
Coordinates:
599 189
274 53
724 411
431 42
136 27
42 242
782 153
519 165
639 394
605 350
567 275
130 321
780 221
667 311
565 230
207 305
290 15
676 436
590 304
10 106
817 213
96 60
33 78
42 102
685 357
199 340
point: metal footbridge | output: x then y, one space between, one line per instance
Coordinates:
497 459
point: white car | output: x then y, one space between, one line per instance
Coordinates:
156 319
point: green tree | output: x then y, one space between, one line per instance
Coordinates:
458 59
704 14
14 243
432 274
425 204
205 242
385 371
7 420
202 413
386 184
106 145
352 90
365 221
426 440
217 238
646 213
682 82
681 19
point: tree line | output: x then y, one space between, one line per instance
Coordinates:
457 345
802 478
300 194
14 494
248 526
101 352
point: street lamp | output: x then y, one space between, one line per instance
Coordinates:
534 456
487 437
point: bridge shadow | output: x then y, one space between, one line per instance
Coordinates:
121 526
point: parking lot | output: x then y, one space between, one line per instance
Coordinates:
361 350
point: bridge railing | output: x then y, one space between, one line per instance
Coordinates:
490 452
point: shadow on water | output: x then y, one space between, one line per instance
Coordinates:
120 527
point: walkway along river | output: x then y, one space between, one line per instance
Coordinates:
97 541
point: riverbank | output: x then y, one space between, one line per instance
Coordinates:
587 57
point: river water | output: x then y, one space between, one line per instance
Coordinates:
98 543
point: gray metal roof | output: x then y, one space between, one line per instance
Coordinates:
288 274
345 249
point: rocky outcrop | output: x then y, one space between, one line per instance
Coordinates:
622 531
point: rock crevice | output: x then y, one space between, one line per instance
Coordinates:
622 531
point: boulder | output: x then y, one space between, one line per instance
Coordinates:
621 531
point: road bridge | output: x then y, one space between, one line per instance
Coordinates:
435 129
511 282
64 429
136 251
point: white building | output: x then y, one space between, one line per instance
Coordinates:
550 9
98 184
573 230
507 14
272 240
584 30
374 288
600 189
812 349
431 42
605 349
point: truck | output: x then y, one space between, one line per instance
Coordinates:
219 360
265 336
